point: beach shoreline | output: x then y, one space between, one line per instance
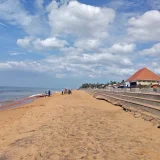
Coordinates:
75 126
11 97
5 105
16 110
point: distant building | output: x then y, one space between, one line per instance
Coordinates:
142 77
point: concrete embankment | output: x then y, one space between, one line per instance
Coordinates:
147 105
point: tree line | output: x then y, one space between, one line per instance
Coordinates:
100 85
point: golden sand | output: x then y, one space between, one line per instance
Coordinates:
75 127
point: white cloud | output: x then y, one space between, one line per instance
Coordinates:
4 65
126 71
71 51
32 66
154 51
155 64
101 58
38 44
90 52
76 65
48 43
79 19
13 13
145 27
88 44
25 43
122 48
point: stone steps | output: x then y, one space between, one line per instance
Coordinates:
153 96
140 106
129 101
137 99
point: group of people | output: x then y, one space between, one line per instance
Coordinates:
66 91
48 93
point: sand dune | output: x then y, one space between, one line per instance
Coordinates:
75 127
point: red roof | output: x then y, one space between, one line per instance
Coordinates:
143 74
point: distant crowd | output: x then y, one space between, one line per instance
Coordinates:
66 91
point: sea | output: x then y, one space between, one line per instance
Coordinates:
10 94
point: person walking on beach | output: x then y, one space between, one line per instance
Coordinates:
62 91
45 93
49 93
65 91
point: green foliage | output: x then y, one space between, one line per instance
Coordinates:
98 85
89 85
123 81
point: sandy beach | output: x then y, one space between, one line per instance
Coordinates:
75 127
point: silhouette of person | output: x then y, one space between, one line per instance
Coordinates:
49 93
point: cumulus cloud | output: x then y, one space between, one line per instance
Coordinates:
88 44
71 51
4 65
79 19
145 27
14 13
25 42
39 44
76 65
122 48
49 43
79 33
101 58
153 51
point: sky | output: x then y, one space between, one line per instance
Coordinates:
64 43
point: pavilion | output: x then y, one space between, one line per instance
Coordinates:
143 77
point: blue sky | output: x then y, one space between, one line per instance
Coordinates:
48 43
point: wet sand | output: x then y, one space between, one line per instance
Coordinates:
75 127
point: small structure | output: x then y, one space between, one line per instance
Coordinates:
143 77
109 87
121 86
115 85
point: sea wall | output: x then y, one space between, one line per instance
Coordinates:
142 90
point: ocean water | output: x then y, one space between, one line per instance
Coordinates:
8 94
